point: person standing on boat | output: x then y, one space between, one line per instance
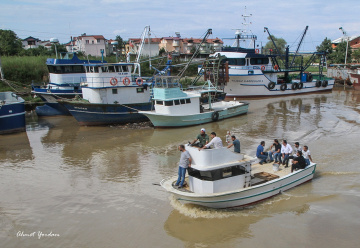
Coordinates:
306 155
235 143
185 162
260 153
286 150
203 138
298 162
216 141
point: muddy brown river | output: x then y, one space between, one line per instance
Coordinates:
62 185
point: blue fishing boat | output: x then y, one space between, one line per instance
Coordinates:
12 113
65 75
112 94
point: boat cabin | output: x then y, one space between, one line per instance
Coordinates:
169 98
218 170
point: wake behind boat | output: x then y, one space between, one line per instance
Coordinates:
220 178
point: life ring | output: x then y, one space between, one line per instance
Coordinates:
283 87
263 67
276 67
126 81
294 86
325 83
300 86
113 81
318 83
215 116
257 51
271 85
139 81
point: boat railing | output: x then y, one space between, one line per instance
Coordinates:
167 82
112 81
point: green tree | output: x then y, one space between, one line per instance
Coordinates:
356 55
338 56
280 44
325 46
10 44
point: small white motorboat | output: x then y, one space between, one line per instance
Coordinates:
220 178
174 107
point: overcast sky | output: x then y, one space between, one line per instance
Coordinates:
45 19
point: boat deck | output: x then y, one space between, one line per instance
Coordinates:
259 174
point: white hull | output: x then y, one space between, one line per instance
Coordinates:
257 85
224 110
243 196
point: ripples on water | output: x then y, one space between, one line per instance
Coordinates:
97 186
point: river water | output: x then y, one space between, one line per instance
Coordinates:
63 185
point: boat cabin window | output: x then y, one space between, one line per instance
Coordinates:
96 69
236 61
140 90
177 102
159 102
188 100
168 103
111 68
68 69
218 174
182 101
104 69
259 61
124 68
78 69
114 91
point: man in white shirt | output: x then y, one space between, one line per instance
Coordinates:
307 155
286 150
216 141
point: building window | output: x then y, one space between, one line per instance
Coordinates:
87 41
92 42
98 41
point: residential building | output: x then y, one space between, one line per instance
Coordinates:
89 45
31 42
354 41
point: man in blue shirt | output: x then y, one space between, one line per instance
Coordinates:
236 144
260 153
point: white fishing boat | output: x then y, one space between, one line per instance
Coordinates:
220 178
254 72
174 107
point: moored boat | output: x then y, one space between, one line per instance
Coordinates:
112 94
65 76
220 178
174 107
12 113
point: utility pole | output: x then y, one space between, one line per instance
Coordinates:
347 41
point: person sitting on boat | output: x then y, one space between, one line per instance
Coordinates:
306 155
260 153
235 143
216 141
185 162
203 138
286 150
298 162
297 148
276 152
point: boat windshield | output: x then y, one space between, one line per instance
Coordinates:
217 174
